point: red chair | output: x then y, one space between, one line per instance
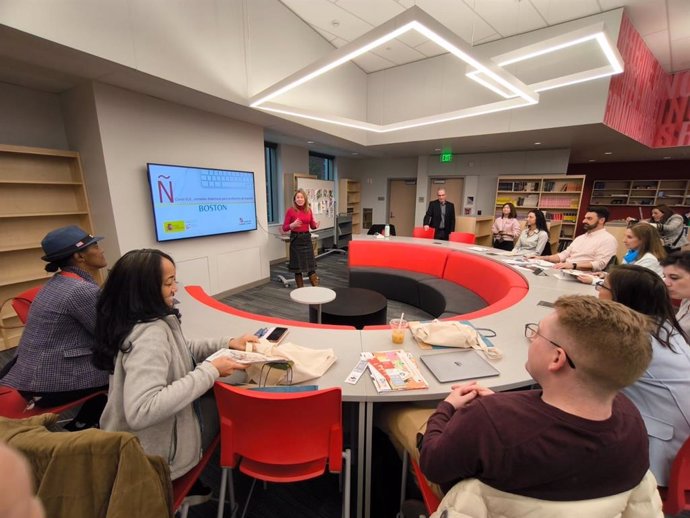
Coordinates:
21 304
14 406
676 496
280 437
461 237
420 232
431 499
182 485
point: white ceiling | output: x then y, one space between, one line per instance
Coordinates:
664 24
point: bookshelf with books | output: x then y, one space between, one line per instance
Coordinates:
558 196
350 203
642 193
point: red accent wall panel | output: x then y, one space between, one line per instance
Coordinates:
673 119
636 95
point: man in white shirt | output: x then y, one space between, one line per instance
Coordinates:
589 251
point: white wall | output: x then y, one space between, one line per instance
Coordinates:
137 129
30 118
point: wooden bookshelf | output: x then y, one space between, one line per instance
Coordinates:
641 193
350 202
40 190
480 226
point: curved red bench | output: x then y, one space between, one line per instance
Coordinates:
199 294
500 286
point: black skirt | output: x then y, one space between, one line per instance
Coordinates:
301 253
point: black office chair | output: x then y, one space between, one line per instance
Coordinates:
378 229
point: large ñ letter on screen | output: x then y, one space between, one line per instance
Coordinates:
162 189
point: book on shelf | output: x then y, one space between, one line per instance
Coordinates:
394 370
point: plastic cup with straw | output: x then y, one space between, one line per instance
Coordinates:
398 326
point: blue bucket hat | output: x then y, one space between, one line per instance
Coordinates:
64 241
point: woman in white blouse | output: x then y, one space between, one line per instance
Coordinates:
506 228
534 238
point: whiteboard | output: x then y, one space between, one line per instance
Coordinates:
321 195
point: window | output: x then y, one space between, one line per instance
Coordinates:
272 203
321 166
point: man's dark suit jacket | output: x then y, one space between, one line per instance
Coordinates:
433 219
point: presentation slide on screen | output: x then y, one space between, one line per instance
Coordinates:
191 202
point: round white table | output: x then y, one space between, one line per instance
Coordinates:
315 295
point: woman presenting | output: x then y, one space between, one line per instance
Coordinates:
299 220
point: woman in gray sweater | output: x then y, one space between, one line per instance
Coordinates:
158 377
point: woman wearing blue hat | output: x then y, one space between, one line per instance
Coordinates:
53 363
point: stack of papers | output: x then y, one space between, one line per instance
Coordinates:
394 370
244 357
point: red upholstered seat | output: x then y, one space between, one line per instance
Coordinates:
425 234
14 406
402 256
461 237
491 281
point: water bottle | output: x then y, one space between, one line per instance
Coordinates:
387 231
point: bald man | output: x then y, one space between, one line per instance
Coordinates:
17 499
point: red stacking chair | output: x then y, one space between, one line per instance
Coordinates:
22 302
182 485
431 499
280 437
14 406
676 496
461 237
420 232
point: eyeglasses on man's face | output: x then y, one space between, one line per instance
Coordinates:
532 331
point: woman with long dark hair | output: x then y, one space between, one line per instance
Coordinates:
677 279
670 225
506 228
662 394
535 237
299 220
158 377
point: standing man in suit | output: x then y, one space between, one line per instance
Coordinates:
441 216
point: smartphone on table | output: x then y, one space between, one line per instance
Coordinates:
276 334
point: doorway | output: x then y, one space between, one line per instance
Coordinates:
402 195
453 187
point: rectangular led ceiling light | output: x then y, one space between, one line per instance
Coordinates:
595 32
412 19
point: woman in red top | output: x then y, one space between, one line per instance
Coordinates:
299 219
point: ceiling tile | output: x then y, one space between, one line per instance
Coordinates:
607 5
459 18
430 49
406 3
339 42
374 13
648 17
370 62
657 43
328 35
679 19
680 57
509 17
398 53
321 14
558 11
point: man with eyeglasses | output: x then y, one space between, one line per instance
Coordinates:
574 439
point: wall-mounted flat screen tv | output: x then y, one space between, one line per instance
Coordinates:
196 201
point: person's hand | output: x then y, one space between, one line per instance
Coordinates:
629 219
240 342
296 223
563 266
426 228
460 395
317 224
585 279
226 366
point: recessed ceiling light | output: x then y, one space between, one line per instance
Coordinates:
608 152
355 153
310 141
437 149
537 143
666 157
592 160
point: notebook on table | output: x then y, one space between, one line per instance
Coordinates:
458 365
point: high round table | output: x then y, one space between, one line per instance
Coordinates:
314 296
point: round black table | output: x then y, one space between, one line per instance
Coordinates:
353 307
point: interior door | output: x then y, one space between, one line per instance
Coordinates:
401 205
453 187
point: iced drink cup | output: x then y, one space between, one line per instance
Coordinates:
398 331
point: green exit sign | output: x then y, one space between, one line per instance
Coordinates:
446 157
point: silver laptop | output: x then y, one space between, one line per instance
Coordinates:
458 365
